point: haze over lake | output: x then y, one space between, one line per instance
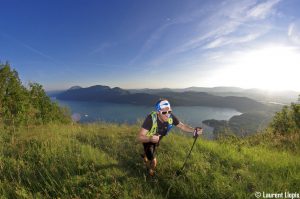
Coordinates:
126 113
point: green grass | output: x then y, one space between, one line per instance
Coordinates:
102 161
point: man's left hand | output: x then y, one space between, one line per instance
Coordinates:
198 131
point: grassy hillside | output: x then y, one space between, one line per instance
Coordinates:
102 161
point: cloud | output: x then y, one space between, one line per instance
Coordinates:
150 41
223 41
294 32
157 34
102 47
37 51
28 47
231 22
261 11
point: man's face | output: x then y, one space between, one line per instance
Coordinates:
165 113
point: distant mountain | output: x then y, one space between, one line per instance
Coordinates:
283 97
265 96
188 98
192 98
54 93
75 87
214 89
153 91
93 93
196 89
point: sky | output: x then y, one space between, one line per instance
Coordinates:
153 44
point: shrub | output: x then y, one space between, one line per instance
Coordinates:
287 121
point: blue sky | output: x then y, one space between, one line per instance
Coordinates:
153 44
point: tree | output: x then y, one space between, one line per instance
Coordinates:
13 97
21 106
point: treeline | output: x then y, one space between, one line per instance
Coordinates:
25 106
284 124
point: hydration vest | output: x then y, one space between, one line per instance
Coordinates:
154 127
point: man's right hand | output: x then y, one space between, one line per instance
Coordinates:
154 138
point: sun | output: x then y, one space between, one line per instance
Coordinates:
270 67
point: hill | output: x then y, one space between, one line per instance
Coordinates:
241 125
102 161
188 98
241 104
285 122
282 97
193 88
93 93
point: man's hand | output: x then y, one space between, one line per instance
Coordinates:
154 138
198 131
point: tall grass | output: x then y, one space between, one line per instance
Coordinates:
102 161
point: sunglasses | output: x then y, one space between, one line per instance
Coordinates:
165 112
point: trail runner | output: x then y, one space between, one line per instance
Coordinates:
157 125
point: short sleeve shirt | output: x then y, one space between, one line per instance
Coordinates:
162 127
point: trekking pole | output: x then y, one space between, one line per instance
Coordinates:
178 172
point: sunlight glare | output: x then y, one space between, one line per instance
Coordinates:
272 68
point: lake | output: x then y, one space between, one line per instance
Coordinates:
126 113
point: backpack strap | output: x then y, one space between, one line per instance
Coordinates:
170 124
153 129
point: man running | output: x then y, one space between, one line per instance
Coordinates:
156 125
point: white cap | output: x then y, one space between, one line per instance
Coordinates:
163 104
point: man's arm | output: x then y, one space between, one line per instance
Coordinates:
189 129
185 128
142 137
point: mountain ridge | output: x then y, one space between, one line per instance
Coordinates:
102 93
